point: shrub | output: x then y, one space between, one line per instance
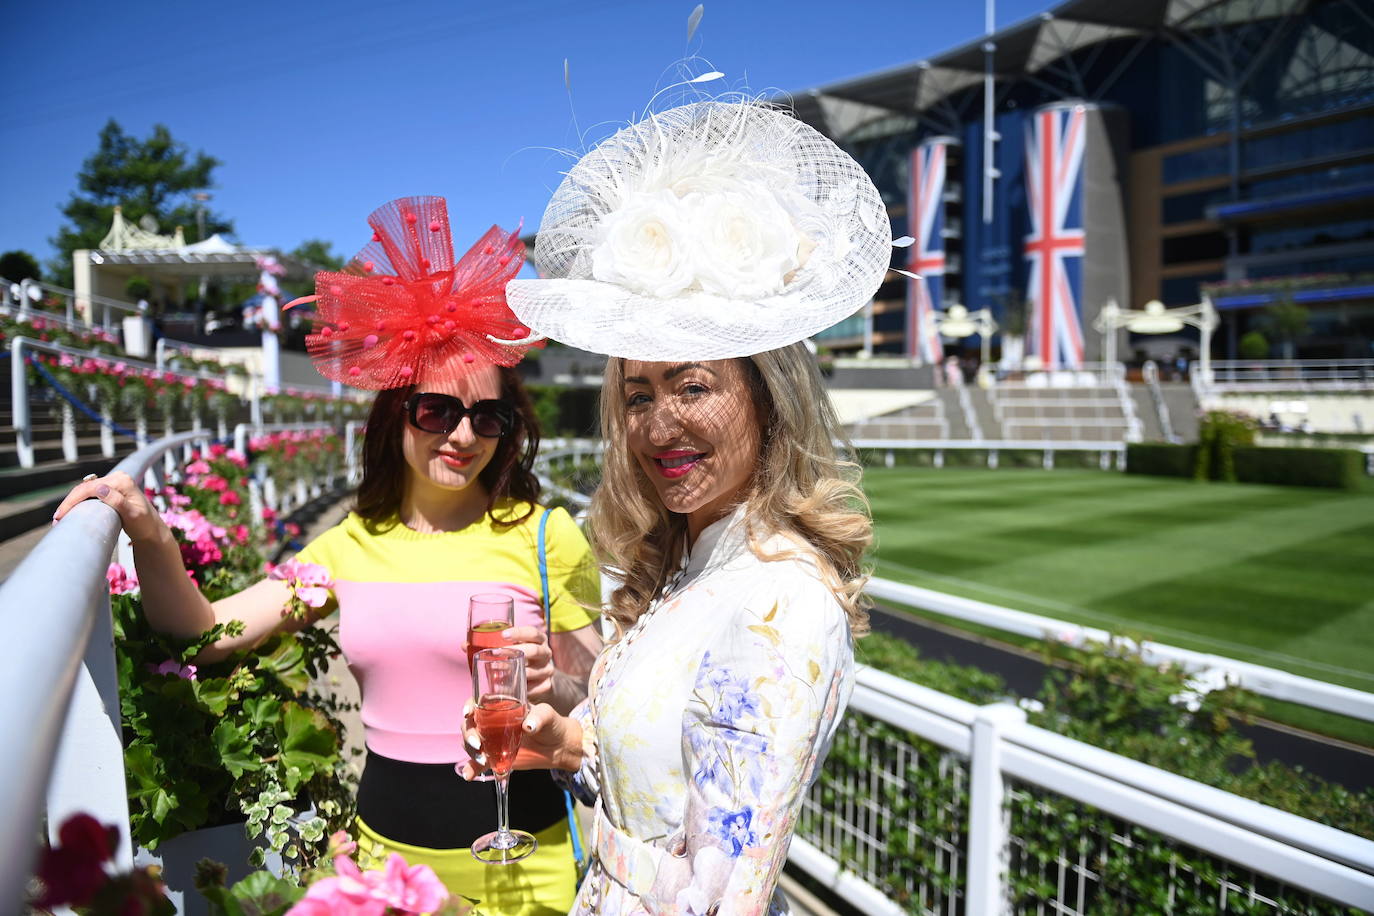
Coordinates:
1219 435
1254 345
1160 460
1341 468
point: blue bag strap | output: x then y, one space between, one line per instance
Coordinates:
548 628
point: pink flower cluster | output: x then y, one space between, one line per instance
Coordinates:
397 890
122 581
309 582
124 373
201 540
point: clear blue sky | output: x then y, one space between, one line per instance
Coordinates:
322 112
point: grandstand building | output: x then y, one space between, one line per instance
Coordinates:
1156 149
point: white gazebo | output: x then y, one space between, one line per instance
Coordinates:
169 263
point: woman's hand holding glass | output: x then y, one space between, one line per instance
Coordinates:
548 741
539 670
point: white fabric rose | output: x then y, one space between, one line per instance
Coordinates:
645 246
744 242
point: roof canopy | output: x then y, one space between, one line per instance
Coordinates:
169 257
1019 50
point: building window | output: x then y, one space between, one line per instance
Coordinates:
1316 142
1268 240
1184 208
1185 290
1194 164
1202 246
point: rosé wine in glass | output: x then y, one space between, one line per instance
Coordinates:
498 691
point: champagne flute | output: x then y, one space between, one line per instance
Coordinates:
489 615
498 688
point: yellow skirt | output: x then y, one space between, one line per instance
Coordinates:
545 884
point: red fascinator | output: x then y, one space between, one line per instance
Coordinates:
402 311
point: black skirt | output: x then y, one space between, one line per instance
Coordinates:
429 804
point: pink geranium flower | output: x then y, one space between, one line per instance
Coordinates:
310 582
122 581
399 888
185 672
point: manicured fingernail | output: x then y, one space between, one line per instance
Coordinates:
102 491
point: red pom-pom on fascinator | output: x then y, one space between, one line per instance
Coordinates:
402 311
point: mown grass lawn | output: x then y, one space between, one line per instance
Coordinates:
1281 576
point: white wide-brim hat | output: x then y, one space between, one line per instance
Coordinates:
708 231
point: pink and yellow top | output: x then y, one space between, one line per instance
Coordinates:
403 603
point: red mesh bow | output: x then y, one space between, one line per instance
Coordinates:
402 311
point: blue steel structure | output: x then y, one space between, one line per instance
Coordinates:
1242 142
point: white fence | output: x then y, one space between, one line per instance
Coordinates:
990 753
1242 375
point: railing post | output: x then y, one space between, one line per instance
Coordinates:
68 432
939 460
19 404
986 892
1047 462
992 459
88 772
107 440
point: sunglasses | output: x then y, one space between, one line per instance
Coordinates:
441 414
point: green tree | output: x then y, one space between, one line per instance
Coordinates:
153 177
317 252
16 266
1286 322
1254 345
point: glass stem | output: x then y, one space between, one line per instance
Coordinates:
503 805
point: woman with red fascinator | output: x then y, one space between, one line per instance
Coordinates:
447 508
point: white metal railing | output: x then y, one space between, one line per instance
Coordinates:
975 429
58 687
22 296
1150 373
22 420
1109 453
1270 682
1291 375
996 746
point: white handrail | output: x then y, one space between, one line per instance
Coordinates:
67 712
999 744
1270 682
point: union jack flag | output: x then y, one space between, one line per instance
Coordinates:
1054 190
925 221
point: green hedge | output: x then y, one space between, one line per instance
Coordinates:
1160 460
1342 468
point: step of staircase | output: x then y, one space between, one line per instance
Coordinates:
27 511
17 481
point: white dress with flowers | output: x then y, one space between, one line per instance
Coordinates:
704 726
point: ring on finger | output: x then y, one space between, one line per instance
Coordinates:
89 477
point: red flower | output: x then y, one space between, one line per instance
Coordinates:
74 871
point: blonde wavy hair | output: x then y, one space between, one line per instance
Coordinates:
800 487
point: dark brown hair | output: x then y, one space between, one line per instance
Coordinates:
509 474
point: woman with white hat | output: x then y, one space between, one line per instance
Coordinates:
698 248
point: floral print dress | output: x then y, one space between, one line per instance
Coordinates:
705 724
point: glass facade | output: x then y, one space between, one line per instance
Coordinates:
1208 162
1330 179
1267 239
1350 135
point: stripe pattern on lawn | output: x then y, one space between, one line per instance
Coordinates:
1282 576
